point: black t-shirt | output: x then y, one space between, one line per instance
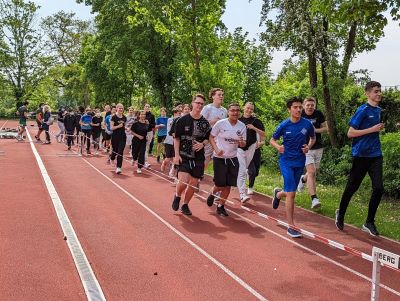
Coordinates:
97 120
251 135
21 111
316 118
188 129
141 129
173 125
152 121
120 132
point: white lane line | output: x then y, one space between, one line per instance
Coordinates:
92 287
4 124
297 244
184 237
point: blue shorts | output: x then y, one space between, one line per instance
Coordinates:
291 177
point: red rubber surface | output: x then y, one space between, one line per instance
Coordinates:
135 256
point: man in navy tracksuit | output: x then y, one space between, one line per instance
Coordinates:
365 126
70 125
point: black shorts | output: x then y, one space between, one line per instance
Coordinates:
194 168
160 139
225 171
169 150
106 136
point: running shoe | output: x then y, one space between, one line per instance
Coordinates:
244 198
118 170
175 203
300 187
276 200
339 220
147 165
293 233
69 147
315 203
210 200
139 170
250 190
221 211
370 228
185 210
88 152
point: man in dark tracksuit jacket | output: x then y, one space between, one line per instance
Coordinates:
70 124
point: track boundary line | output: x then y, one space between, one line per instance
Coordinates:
183 236
89 281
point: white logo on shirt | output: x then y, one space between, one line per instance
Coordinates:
304 131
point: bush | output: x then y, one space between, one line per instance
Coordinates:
391 163
335 166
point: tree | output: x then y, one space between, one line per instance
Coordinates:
319 31
22 62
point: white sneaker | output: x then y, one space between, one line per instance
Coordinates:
315 203
244 198
250 190
147 165
139 170
118 170
301 185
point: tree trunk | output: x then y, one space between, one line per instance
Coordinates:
351 41
195 49
329 110
312 72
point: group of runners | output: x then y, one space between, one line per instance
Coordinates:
200 132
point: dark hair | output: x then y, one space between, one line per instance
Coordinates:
234 104
213 91
292 100
371 84
200 96
81 109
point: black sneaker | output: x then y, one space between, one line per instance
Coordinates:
275 200
339 220
210 200
69 147
221 211
370 228
175 203
185 210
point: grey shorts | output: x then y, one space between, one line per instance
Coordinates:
314 156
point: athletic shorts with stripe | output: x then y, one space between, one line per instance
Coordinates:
192 167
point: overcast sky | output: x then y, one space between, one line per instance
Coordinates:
383 62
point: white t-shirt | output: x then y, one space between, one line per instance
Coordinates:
227 137
210 112
169 139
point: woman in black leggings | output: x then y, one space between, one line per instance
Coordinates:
139 131
118 138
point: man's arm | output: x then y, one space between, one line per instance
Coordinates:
353 133
323 128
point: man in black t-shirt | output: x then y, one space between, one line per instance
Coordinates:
23 115
314 155
191 133
245 154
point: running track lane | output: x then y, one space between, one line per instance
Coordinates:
247 250
35 263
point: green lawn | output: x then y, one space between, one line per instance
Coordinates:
387 218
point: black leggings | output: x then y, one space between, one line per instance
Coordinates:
86 138
138 151
358 171
118 146
254 167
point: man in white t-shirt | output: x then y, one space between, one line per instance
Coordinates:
226 136
213 112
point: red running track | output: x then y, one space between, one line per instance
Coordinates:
121 220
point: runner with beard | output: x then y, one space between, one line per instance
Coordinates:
191 133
